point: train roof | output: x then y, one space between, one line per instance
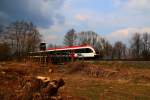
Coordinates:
65 48
69 48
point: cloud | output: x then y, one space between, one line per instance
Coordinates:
41 12
138 4
82 17
55 33
4 18
116 18
52 37
133 6
125 35
124 13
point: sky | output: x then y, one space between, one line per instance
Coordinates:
116 20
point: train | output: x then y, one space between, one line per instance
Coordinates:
64 54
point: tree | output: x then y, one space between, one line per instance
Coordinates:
119 50
51 45
146 46
70 38
102 47
54 46
23 37
89 38
136 43
107 49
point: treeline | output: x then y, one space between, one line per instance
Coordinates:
138 47
20 37
17 39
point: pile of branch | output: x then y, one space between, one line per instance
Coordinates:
41 88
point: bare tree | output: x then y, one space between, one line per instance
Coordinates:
146 46
136 45
51 45
93 39
70 38
33 38
54 46
90 38
23 37
119 50
107 49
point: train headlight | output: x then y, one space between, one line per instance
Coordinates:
75 55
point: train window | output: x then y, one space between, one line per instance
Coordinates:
86 50
61 52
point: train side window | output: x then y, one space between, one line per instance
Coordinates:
87 50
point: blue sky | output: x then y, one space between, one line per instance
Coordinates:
112 19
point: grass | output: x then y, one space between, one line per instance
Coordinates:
131 81
96 89
126 64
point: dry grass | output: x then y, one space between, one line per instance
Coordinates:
84 80
13 77
108 80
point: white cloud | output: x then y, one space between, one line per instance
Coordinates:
138 4
133 6
125 35
54 34
82 17
128 14
51 35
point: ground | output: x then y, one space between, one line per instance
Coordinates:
92 80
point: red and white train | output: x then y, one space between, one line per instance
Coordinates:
74 51
63 53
